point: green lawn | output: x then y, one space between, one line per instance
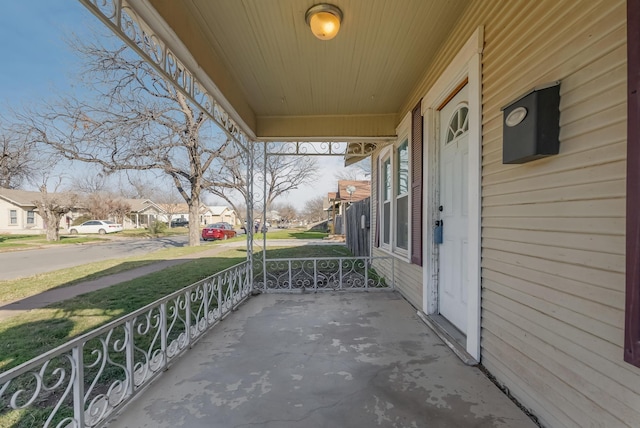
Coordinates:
308 252
291 234
145 233
23 287
16 242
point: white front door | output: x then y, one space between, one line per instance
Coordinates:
453 210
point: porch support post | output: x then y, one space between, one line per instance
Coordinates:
264 215
249 216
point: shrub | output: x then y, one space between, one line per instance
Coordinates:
156 227
81 219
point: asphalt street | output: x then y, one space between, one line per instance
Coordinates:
19 264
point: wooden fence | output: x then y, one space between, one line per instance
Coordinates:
358 238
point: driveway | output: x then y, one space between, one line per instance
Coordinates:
21 264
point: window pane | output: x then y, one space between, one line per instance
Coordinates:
31 217
386 171
458 124
386 222
402 163
13 217
402 222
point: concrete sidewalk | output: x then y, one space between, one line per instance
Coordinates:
17 307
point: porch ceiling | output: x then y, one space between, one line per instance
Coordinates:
285 84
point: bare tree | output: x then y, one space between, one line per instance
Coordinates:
286 173
282 174
314 209
53 205
146 185
103 205
89 184
138 121
357 171
16 159
287 212
229 182
51 208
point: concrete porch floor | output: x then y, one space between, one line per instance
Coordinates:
322 360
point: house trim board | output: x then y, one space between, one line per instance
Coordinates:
467 64
632 307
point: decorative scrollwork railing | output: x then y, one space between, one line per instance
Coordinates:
123 20
324 273
81 383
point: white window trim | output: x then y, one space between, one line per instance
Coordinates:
33 217
386 154
16 217
403 131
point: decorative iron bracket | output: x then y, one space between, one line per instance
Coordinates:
326 148
126 24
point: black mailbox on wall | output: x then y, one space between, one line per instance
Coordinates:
531 125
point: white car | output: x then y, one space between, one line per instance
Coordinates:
96 226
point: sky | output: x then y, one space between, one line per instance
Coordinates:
37 64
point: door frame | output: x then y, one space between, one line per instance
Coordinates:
466 65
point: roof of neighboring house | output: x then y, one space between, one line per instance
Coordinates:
332 195
175 208
139 205
180 208
24 198
362 190
218 209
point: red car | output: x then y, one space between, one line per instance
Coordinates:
218 231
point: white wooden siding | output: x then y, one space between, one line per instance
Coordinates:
553 230
408 277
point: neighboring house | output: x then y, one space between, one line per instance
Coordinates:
143 213
535 271
219 213
181 211
19 214
349 191
174 211
273 217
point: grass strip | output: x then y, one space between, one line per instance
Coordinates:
291 234
17 242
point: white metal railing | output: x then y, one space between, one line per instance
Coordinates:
83 382
325 273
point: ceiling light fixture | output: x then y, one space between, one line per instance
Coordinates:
324 20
